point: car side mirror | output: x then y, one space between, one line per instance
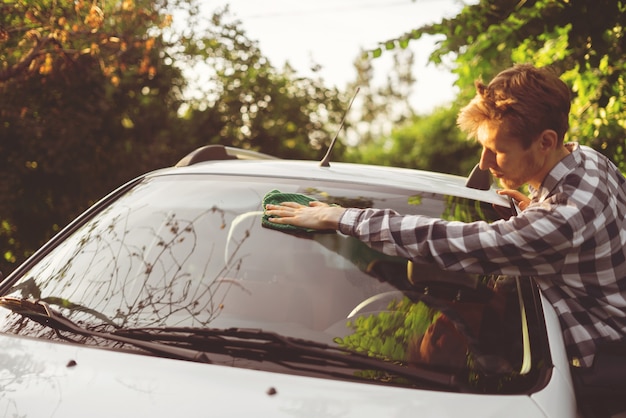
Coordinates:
479 179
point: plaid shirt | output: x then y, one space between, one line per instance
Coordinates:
572 238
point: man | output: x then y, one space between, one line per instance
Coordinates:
571 234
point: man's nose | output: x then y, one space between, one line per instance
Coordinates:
487 160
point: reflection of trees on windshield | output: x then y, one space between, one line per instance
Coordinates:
466 210
415 200
343 201
386 335
137 267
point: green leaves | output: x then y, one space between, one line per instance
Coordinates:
388 334
93 94
40 37
584 40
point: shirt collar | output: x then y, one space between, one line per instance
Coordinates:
558 172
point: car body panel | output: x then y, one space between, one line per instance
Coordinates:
559 398
41 379
424 181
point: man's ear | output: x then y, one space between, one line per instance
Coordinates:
548 140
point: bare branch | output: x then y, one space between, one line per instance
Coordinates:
25 62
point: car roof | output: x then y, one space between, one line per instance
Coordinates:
363 174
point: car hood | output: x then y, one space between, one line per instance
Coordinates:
41 379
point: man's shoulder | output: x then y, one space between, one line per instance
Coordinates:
582 153
589 161
593 178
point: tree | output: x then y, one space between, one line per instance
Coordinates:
378 109
43 36
583 39
243 101
431 142
93 94
85 86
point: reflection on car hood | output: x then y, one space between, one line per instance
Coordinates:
69 381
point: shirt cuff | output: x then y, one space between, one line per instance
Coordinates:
348 220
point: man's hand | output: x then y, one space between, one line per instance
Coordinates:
520 198
317 215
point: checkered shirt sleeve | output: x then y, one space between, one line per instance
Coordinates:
572 238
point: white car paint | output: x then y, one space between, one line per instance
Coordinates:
424 181
42 379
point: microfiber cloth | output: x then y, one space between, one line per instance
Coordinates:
276 197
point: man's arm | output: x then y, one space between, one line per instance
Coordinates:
532 243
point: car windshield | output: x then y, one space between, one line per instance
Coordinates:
190 251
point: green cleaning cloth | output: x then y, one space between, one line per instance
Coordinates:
276 197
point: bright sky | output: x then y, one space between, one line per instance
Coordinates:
331 33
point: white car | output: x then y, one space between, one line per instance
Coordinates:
170 297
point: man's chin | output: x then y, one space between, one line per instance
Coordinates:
509 184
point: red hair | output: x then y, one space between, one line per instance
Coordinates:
526 99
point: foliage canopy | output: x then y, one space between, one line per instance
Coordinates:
583 39
97 92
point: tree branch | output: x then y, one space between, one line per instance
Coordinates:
26 61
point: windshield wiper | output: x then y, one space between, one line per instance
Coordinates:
260 345
43 314
194 344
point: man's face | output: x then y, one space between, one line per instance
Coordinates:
507 160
